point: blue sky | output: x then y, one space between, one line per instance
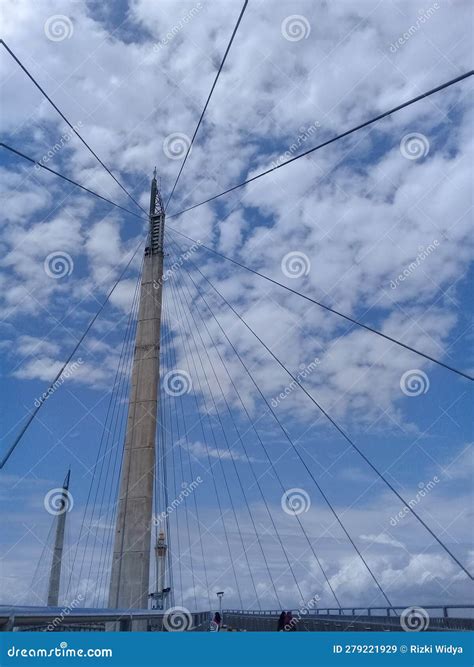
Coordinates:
358 214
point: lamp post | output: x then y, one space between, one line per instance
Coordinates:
220 595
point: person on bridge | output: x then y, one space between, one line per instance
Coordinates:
217 620
290 623
281 622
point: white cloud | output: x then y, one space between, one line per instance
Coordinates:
29 345
462 465
382 538
42 368
200 451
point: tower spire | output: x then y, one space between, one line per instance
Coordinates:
61 510
129 585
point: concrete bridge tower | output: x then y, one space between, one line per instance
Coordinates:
61 509
129 585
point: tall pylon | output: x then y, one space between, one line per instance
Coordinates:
129 585
63 506
159 597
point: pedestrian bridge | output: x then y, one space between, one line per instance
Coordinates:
58 619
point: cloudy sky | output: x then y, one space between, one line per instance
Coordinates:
376 226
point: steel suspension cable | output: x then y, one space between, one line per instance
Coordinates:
367 123
164 465
114 439
236 27
189 355
111 403
195 349
178 538
46 552
172 363
166 398
112 500
275 471
216 443
66 120
161 438
178 444
328 308
219 504
267 455
229 448
338 428
63 367
69 180
100 457
318 486
176 556
161 430
262 275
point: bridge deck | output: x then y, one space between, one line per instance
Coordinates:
61 619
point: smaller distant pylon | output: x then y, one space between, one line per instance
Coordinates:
158 598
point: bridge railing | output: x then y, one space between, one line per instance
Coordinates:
316 620
446 611
353 618
53 619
